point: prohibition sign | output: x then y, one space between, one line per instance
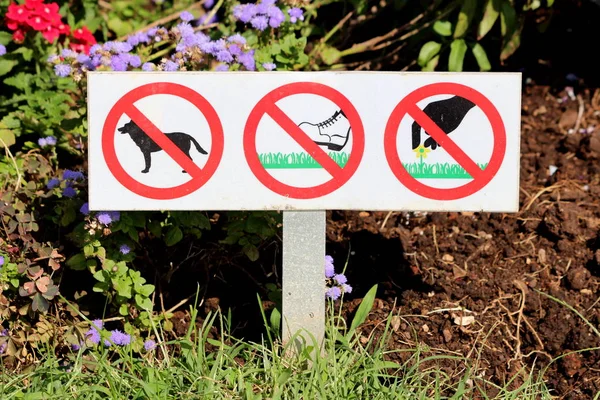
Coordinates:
267 106
126 106
408 107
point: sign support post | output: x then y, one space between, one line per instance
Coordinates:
303 300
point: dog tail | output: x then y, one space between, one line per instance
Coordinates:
198 147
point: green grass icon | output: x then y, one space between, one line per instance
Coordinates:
297 160
422 170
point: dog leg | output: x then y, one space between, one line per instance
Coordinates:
148 161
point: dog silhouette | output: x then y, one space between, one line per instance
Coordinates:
149 146
447 114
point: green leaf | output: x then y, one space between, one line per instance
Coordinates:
124 309
464 18
251 251
490 15
143 303
458 49
123 287
363 311
40 303
8 137
428 51
155 228
101 275
20 81
5 38
26 52
77 262
508 20
443 28
275 319
173 236
146 290
512 44
360 5
6 66
481 57
432 64
330 55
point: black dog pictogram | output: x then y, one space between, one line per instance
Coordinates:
447 114
149 146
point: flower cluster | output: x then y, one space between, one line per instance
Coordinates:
38 16
47 141
93 336
69 178
82 40
265 14
337 283
2 50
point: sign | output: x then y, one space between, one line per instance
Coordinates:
439 119
340 126
304 141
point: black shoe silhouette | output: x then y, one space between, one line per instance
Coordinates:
447 114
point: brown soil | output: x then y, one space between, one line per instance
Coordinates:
434 269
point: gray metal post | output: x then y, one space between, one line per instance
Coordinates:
303 307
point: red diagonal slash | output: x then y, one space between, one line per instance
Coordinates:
303 140
163 141
442 138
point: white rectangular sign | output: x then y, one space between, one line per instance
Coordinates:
304 141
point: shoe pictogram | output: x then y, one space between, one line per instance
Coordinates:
333 132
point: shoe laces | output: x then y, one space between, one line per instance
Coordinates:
330 121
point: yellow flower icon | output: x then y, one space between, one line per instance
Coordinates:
421 151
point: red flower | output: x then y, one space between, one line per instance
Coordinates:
12 25
80 48
18 36
38 23
49 12
17 13
51 34
84 34
63 29
33 4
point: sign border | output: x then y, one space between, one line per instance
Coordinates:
126 102
410 102
262 108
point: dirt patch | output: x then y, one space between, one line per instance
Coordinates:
468 283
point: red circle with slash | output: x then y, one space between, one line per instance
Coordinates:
408 107
267 106
125 106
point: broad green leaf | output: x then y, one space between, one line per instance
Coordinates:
443 28
143 303
8 137
508 20
550 3
363 311
251 251
428 51
26 52
458 49
146 290
124 310
101 275
123 287
6 66
173 236
490 15
5 38
77 262
432 64
40 303
481 57
464 18
510 46
330 55
275 319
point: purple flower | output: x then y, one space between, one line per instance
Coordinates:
4 333
118 63
52 183
296 14
124 249
203 19
185 29
269 66
340 279
259 22
83 58
75 347
104 218
72 175
69 192
247 13
97 324
276 17
119 338
85 209
114 215
51 140
170 66
52 58
148 67
186 16
137 38
222 68
42 142
149 345
247 60
153 31
3 345
62 70
93 335
68 53
333 293
347 288
95 48
235 50
237 38
2 50
329 270
224 56
118 47
1 264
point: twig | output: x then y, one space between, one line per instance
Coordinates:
580 113
176 306
541 192
331 33
437 249
385 220
19 176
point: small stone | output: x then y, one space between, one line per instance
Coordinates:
425 328
447 335
568 119
363 214
542 256
578 278
463 320
447 258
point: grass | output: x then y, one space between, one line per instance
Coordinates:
297 160
422 170
354 365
